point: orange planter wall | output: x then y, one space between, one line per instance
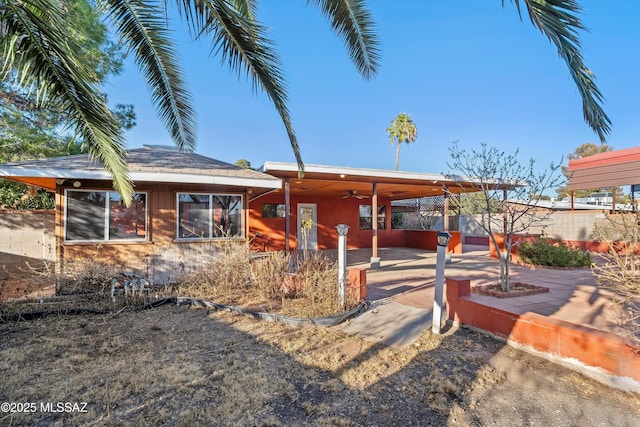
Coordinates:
564 339
587 245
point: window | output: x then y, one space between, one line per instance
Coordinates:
103 216
365 217
271 210
207 216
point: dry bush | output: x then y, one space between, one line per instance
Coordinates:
268 273
85 275
317 289
620 271
230 276
226 272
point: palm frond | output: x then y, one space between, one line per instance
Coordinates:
142 27
243 46
352 22
37 54
558 20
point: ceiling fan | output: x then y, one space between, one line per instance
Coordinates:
354 193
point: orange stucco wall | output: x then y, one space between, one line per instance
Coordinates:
331 212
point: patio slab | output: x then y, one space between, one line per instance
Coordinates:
406 278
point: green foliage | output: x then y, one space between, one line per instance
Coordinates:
243 163
552 253
18 196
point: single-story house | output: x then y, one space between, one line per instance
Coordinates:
184 203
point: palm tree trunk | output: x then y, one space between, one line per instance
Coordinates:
397 155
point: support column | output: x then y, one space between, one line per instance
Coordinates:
613 200
445 209
375 260
573 198
287 215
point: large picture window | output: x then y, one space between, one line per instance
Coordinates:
208 216
366 217
103 216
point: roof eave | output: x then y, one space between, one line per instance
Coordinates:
267 183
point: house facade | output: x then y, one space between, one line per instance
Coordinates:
184 205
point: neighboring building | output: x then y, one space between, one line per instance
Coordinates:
611 169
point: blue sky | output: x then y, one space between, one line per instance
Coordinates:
465 70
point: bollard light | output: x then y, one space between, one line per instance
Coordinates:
343 229
438 297
443 238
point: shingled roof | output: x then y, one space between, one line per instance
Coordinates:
147 164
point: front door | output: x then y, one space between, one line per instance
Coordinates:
307 226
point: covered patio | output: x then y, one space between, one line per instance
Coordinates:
361 198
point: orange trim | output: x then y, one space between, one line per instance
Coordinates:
606 159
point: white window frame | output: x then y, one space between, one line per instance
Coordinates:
210 216
107 211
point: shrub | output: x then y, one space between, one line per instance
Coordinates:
230 276
552 253
620 270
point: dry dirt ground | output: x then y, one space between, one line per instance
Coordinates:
185 366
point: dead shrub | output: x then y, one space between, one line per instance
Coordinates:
221 273
268 274
620 271
280 283
85 275
317 289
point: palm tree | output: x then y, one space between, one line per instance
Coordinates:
402 129
36 53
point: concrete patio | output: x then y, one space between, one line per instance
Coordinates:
403 288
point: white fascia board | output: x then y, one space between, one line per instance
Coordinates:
337 170
53 173
270 183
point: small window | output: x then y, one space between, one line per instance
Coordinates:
103 216
209 216
366 217
272 210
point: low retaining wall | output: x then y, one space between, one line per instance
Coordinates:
590 346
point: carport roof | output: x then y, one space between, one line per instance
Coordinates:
610 169
320 180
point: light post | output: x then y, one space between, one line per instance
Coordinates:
443 241
343 229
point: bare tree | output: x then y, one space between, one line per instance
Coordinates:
501 180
